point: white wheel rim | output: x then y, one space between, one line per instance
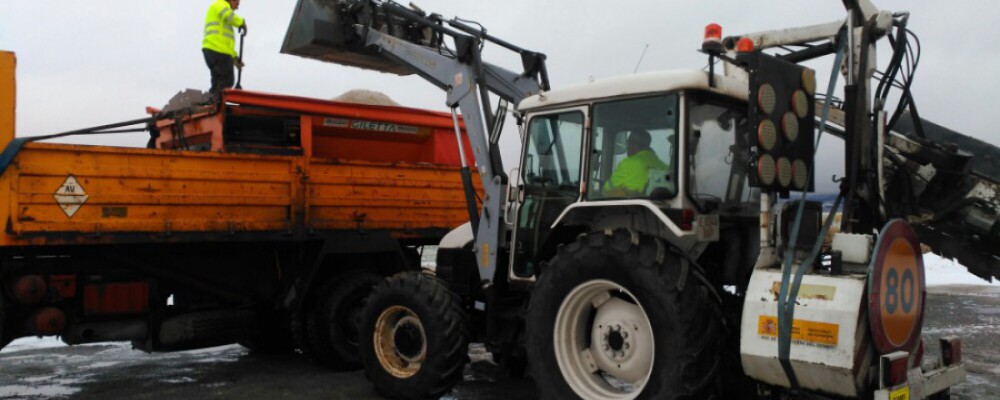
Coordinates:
603 341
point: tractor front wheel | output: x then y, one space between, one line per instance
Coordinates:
618 316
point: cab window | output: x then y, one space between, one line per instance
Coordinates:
633 151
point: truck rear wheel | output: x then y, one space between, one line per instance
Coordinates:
338 318
413 337
331 320
617 316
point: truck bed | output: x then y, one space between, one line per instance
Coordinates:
70 194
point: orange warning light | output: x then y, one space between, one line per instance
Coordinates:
744 45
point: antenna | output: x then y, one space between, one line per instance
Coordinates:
641 56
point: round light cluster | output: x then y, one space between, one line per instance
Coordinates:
778 133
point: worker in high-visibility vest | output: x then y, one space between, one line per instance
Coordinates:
632 174
219 45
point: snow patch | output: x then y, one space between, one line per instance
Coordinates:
45 392
31 343
184 379
944 272
103 364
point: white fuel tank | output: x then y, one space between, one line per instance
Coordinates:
829 351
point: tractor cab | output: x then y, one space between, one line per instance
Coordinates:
662 152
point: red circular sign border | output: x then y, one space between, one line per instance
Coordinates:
894 229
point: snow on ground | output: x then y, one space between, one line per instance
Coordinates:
30 343
944 272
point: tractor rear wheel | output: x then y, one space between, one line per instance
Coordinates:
413 337
618 316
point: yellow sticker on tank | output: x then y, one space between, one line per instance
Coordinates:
902 393
813 333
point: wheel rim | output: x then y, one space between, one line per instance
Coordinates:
603 341
400 341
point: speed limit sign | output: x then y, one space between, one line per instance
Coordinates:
896 289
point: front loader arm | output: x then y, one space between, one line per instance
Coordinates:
389 37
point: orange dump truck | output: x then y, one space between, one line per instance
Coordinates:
264 220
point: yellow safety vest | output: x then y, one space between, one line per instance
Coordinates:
220 22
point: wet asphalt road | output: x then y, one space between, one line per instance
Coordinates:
115 371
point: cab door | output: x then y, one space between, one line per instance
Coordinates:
550 181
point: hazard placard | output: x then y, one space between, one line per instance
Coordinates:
70 196
821 334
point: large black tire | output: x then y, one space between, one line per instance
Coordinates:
683 322
333 328
414 338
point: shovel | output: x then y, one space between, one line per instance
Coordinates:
239 70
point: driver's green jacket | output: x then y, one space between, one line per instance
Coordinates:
633 172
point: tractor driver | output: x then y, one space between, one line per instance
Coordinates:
632 173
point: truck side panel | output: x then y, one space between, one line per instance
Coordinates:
126 190
379 196
68 194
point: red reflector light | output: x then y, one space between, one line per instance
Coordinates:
893 367
28 289
713 39
951 350
687 219
744 45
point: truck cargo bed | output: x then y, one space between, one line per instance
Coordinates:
71 194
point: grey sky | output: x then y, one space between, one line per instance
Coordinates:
94 62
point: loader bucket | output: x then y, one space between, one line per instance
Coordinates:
324 30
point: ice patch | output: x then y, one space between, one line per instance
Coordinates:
34 379
47 391
103 364
184 379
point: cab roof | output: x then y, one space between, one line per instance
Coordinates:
636 84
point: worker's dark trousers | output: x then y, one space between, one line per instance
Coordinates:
221 66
